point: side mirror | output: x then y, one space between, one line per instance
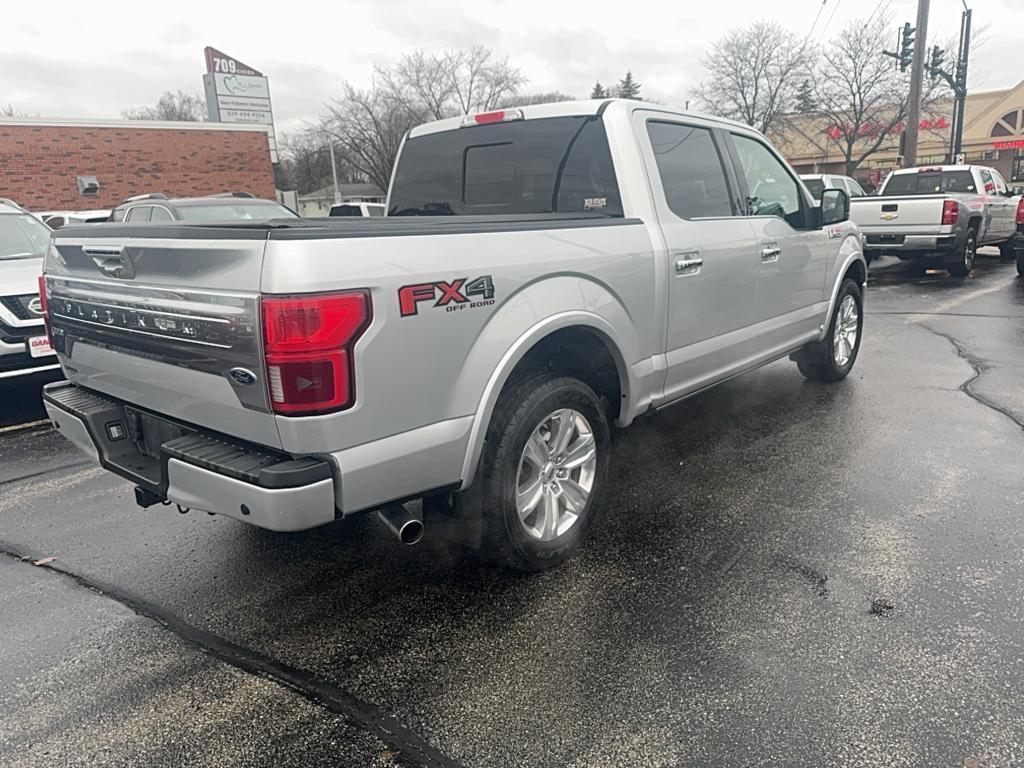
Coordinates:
835 207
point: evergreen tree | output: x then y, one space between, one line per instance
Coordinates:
628 87
805 103
599 91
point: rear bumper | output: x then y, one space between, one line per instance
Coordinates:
910 243
192 468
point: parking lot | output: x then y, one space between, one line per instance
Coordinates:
787 574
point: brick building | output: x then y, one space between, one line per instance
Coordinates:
48 164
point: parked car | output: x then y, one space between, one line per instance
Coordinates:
542 274
939 216
817 183
223 207
357 209
24 346
58 219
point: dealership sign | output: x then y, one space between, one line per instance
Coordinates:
1011 144
237 93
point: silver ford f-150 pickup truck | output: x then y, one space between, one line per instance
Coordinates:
541 275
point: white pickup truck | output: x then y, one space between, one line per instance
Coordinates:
939 216
541 274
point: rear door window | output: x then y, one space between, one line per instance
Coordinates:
691 170
138 214
548 165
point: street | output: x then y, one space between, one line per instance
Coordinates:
787 574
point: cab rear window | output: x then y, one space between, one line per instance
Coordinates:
929 183
550 165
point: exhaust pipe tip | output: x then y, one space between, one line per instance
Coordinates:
408 528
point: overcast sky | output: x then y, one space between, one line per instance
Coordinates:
75 59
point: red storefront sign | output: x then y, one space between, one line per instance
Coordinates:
1012 144
836 132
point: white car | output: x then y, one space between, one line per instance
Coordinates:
817 183
24 345
357 209
58 219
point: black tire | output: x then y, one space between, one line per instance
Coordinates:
504 540
816 361
1020 263
1007 252
968 252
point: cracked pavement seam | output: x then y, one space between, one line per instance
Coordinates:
979 367
412 749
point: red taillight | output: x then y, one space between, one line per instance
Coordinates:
950 212
44 306
308 343
1020 212
499 116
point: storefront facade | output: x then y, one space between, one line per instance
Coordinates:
993 135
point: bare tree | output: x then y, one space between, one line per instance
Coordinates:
10 111
753 74
305 163
861 94
172 105
369 126
453 82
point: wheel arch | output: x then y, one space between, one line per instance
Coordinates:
538 348
852 264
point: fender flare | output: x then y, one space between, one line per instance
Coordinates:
516 352
854 254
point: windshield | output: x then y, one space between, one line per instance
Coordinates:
250 210
930 182
551 165
815 187
22 236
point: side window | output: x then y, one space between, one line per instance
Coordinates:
161 214
117 215
1001 187
855 188
138 214
690 169
771 190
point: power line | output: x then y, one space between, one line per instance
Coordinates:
815 22
825 28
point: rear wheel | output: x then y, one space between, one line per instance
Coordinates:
542 473
1020 263
832 358
963 266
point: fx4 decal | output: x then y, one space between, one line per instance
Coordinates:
460 293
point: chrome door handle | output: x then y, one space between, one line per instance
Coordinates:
771 253
689 266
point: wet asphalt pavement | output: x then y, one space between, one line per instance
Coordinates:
788 574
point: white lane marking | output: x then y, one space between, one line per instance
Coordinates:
943 306
26 425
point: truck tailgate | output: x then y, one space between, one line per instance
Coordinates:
909 215
167 319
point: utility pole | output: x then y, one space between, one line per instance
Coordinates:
916 77
961 80
334 174
957 82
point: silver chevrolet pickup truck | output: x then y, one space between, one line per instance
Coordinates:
939 216
542 275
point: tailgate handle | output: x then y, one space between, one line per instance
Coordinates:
889 207
111 260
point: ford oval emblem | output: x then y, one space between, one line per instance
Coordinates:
243 376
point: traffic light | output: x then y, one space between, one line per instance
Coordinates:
906 46
935 65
